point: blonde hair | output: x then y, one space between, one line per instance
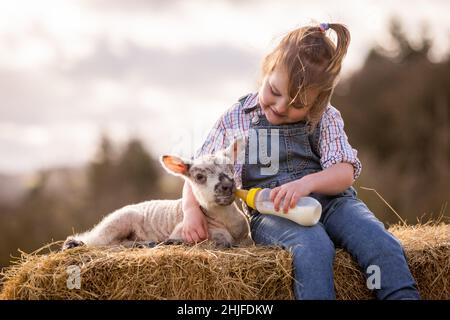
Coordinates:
312 61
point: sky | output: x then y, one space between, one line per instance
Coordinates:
163 71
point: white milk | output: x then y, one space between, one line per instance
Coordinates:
307 212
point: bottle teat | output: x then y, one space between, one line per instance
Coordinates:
242 194
248 196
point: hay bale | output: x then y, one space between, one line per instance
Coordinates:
203 272
427 249
163 272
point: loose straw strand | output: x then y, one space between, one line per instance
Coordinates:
390 207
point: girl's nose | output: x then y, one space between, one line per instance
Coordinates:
281 109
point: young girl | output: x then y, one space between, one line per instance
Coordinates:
315 159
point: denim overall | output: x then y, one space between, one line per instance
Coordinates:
346 222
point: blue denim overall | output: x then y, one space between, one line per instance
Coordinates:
346 222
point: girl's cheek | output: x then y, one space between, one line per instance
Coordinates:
261 98
265 97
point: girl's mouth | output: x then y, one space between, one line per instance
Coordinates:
276 113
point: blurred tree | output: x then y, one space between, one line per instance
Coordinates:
101 194
33 223
118 178
101 172
137 172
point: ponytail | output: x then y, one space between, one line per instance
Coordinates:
343 41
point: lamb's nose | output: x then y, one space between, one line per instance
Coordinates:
226 185
226 188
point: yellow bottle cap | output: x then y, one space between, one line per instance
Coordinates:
248 196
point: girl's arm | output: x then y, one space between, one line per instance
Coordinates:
195 227
332 180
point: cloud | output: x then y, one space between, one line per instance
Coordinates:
193 67
124 86
131 6
136 90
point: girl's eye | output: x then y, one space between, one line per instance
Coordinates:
298 107
276 94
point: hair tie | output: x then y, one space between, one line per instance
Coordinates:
324 27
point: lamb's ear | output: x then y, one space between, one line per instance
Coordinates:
235 151
175 165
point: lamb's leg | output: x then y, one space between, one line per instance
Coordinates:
122 225
71 242
139 244
176 236
221 237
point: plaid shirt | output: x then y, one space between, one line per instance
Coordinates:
333 142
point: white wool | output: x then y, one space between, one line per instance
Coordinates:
161 220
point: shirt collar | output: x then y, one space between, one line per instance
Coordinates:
250 103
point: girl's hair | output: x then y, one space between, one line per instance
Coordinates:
312 61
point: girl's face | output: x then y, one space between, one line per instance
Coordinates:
274 99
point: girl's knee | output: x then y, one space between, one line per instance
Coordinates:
379 246
313 248
388 243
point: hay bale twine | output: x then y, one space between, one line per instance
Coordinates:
203 272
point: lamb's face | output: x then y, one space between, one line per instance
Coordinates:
212 180
211 176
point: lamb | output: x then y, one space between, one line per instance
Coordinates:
155 221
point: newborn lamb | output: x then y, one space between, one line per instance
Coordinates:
211 178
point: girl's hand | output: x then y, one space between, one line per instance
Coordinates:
290 193
195 227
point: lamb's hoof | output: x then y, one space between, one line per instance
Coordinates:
151 244
173 242
143 245
71 243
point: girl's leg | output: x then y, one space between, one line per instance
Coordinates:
313 253
351 225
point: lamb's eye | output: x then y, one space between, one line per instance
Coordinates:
200 178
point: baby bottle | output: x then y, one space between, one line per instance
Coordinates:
307 212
